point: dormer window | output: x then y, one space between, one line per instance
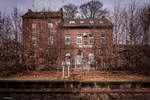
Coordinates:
33 25
101 22
85 34
81 22
72 22
91 22
50 25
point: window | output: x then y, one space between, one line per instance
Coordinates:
72 22
81 22
91 40
50 25
91 58
33 40
79 39
50 40
67 58
67 39
78 59
33 25
91 22
103 39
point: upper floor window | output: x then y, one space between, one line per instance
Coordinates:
50 40
72 22
33 25
33 40
91 40
79 39
67 39
81 22
50 25
103 39
91 22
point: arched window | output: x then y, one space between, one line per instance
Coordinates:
67 58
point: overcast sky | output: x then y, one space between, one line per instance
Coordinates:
23 5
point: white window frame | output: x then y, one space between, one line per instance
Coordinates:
103 40
34 40
68 60
81 22
91 22
66 41
34 25
50 40
78 59
79 38
50 25
101 22
72 22
91 40
91 58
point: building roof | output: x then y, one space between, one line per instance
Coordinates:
102 22
43 14
70 23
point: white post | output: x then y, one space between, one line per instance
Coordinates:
63 72
75 64
68 71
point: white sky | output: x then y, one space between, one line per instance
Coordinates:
7 5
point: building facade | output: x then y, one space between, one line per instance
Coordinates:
50 40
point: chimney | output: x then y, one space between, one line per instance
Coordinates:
29 10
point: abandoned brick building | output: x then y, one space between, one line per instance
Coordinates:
50 40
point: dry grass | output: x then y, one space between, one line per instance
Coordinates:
75 75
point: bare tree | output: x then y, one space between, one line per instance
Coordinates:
129 24
92 9
16 24
70 10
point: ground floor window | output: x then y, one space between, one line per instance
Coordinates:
78 59
91 58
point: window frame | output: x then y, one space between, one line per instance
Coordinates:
72 22
79 37
67 36
102 39
50 25
91 38
79 59
50 40
34 25
34 40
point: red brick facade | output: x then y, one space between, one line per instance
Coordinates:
76 40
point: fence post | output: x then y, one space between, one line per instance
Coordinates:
68 72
